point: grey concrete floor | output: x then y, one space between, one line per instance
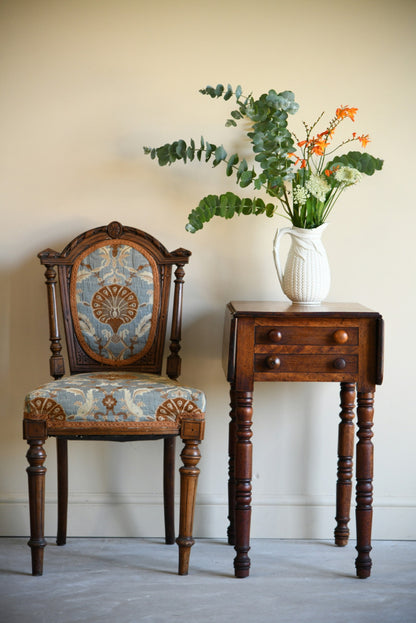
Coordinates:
134 580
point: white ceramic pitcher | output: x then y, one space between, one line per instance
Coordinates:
306 278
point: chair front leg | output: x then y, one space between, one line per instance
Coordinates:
36 456
192 433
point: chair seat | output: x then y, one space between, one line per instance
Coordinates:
114 400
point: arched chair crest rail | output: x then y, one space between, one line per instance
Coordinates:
114 284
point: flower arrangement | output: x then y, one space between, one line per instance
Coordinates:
304 177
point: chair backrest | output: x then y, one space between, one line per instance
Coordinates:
114 284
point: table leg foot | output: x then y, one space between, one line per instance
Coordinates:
242 564
363 564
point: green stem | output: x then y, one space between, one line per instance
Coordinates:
333 198
349 140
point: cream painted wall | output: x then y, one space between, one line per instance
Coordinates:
85 84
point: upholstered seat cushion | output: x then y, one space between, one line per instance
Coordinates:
114 397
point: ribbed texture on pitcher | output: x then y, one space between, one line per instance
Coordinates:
306 278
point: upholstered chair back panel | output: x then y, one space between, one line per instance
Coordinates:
113 289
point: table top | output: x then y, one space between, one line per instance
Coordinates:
273 308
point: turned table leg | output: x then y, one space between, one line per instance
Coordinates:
36 456
243 469
231 472
345 463
364 469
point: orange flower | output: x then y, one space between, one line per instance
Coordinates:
302 143
329 172
319 146
301 160
364 140
346 111
292 155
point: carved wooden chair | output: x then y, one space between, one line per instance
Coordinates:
114 288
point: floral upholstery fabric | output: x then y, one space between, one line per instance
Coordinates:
112 292
115 397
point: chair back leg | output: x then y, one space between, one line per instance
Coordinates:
169 488
62 462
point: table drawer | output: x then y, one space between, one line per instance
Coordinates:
278 363
307 335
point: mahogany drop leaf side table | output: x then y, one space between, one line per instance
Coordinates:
277 341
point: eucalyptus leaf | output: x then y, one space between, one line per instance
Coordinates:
220 155
233 160
246 178
209 149
228 93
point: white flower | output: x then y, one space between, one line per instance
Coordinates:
318 187
347 175
300 195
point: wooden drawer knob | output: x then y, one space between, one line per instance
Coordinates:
275 335
340 336
340 363
273 362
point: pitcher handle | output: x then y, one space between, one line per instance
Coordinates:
276 246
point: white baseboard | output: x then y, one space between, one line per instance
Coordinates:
132 515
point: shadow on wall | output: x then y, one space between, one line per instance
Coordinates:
290 464
25 355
